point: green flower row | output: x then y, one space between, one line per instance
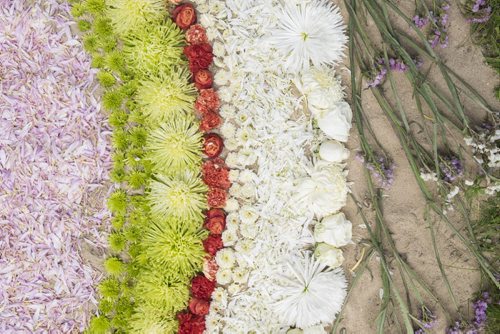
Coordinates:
156 244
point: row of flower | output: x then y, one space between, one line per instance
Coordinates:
279 269
170 181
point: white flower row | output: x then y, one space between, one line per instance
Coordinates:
283 129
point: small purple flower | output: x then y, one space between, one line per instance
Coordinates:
451 168
481 7
379 78
427 318
420 22
382 170
478 5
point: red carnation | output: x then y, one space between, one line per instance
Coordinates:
217 198
196 34
203 79
199 306
215 225
212 244
190 323
216 174
212 145
207 101
215 213
200 56
210 121
202 287
184 15
210 268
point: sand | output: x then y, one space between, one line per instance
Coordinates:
404 206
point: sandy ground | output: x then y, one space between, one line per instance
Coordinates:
404 206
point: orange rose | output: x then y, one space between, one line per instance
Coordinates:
199 306
184 16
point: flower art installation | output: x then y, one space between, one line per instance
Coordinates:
225 146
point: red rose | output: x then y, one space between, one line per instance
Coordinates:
207 101
196 34
216 174
202 287
203 79
212 244
212 145
190 323
215 225
210 268
217 197
200 56
199 306
184 15
210 121
215 213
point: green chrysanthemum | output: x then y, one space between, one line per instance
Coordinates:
149 319
130 15
164 290
176 145
175 245
166 96
181 196
154 49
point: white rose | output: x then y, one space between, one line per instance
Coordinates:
333 151
334 230
336 123
324 192
327 255
320 101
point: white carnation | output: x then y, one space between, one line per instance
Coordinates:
240 275
324 192
218 49
234 174
247 176
336 122
227 130
247 190
328 255
334 230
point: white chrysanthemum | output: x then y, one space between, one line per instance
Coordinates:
325 191
247 176
240 275
235 190
232 221
247 190
248 215
232 205
249 231
234 174
231 144
224 276
225 258
229 237
309 32
222 77
310 293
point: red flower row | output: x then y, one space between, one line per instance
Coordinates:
214 170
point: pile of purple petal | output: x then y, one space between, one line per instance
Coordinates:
54 158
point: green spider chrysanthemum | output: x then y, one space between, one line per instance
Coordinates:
175 245
182 196
154 49
166 96
165 290
176 145
129 15
148 319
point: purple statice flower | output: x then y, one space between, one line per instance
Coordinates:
478 5
480 306
455 329
379 78
451 168
428 320
439 34
481 7
420 22
382 170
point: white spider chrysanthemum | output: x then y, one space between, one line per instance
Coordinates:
310 294
309 32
